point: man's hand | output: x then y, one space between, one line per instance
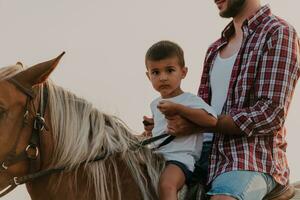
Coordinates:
168 108
148 126
227 126
180 126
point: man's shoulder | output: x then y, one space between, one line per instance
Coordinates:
214 45
273 23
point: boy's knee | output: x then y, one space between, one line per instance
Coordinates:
166 186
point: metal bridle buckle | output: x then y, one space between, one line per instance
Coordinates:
36 151
39 123
16 181
26 114
4 166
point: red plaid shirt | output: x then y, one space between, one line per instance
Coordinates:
260 91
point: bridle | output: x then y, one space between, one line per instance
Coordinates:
32 151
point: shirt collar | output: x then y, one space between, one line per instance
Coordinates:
250 24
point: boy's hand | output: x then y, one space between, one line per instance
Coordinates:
146 134
168 108
148 126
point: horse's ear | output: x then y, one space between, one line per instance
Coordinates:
20 64
38 73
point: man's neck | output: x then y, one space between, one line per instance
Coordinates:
249 9
235 41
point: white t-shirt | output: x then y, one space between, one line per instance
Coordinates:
185 149
219 81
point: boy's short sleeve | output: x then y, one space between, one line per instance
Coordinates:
197 102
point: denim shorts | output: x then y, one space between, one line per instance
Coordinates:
243 185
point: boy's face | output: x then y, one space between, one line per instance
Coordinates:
165 76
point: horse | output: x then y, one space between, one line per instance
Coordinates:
64 140
62 147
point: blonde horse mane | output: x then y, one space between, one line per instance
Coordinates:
81 132
9 71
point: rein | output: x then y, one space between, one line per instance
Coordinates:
32 150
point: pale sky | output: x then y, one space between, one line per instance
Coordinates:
105 42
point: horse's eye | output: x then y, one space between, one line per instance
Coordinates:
2 113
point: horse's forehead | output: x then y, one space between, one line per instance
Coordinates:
8 93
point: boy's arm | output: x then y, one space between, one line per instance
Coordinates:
195 115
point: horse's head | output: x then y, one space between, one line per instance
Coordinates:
91 149
18 109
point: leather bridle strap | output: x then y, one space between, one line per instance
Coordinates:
12 183
153 139
15 181
30 177
28 91
5 190
12 157
32 150
168 138
38 127
34 142
150 140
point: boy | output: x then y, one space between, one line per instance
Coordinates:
165 69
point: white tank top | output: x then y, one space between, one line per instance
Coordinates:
219 82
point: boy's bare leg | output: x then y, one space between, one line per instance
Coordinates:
171 180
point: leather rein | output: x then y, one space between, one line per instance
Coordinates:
32 152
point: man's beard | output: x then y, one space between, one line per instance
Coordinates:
234 7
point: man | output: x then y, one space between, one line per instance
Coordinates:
249 77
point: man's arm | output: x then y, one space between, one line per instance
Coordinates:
178 125
275 82
274 85
273 91
225 125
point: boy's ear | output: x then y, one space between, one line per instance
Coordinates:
184 72
147 74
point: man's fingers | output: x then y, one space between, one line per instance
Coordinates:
162 102
159 107
170 118
171 131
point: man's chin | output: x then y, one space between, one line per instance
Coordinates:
228 13
224 14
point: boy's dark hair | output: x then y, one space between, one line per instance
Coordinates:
165 49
